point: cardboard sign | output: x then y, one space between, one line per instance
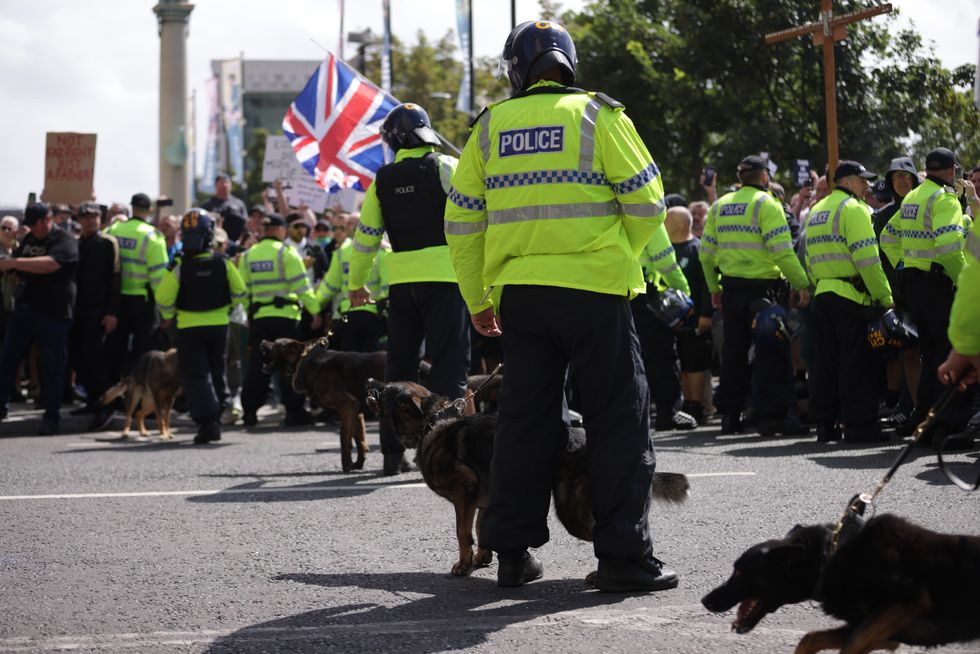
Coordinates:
69 167
802 168
303 191
280 161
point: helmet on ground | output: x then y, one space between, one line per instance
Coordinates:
770 325
408 126
889 333
673 308
197 230
534 47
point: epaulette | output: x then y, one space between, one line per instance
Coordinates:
474 121
612 103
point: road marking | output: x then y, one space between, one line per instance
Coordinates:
258 491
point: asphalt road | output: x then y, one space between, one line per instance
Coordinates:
261 544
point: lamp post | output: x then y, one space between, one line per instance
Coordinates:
362 39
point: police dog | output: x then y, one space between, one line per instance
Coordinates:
150 388
891 582
454 457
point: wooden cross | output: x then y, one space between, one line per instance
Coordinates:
830 28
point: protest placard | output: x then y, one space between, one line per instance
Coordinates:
802 168
280 161
303 191
69 167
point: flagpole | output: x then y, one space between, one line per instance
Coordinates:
472 78
340 39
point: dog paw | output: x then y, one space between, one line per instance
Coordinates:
461 569
590 578
484 557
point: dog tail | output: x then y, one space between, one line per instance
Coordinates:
115 392
670 487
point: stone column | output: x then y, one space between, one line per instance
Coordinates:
173 16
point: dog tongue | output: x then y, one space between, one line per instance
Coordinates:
745 609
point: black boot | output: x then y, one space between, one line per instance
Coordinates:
517 568
731 423
827 432
208 432
395 462
649 575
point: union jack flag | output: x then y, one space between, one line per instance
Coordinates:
334 126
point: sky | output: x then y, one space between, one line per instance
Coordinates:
93 66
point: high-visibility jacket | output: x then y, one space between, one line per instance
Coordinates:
275 281
337 281
554 188
659 262
746 235
841 249
142 255
431 264
927 229
166 297
964 320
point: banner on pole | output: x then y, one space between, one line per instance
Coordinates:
69 167
214 127
463 29
386 47
231 103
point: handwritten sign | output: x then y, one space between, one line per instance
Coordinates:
69 167
280 161
303 191
802 168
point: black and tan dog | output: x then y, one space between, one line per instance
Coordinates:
454 457
150 388
891 581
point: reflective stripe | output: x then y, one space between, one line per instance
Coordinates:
366 249
755 212
948 248
973 244
741 246
867 262
132 275
146 241
927 214
297 278
830 256
669 269
835 225
545 177
466 201
586 150
281 261
265 294
485 135
643 210
445 174
263 282
331 287
638 180
919 254
465 229
888 239
159 266
166 307
549 211
779 247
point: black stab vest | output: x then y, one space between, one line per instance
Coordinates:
413 203
203 284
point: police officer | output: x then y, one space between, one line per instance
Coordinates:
354 329
658 342
408 200
842 256
746 247
924 240
963 362
278 290
555 198
143 260
201 286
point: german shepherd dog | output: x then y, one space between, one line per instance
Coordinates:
454 457
150 388
891 581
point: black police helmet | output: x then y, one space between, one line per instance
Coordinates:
408 126
889 333
197 230
673 308
534 47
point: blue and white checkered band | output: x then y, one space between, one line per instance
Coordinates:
261 266
910 211
126 243
533 140
819 218
346 267
370 231
733 209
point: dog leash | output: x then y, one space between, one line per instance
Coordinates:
952 476
457 406
867 499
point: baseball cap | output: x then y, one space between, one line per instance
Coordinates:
881 190
294 217
273 220
60 208
848 168
257 208
36 212
675 200
752 162
89 209
141 201
220 235
940 159
323 225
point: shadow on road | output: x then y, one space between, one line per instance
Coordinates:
262 490
454 613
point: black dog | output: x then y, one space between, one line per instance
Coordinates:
891 581
454 456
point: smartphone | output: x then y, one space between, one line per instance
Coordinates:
165 202
709 175
31 198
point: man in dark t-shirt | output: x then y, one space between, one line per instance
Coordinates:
46 262
231 209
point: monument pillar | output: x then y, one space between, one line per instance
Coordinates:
175 169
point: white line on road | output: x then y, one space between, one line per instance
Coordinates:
258 491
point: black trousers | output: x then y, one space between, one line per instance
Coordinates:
361 332
546 330
87 352
770 374
134 335
433 312
255 390
658 344
930 298
201 369
847 380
